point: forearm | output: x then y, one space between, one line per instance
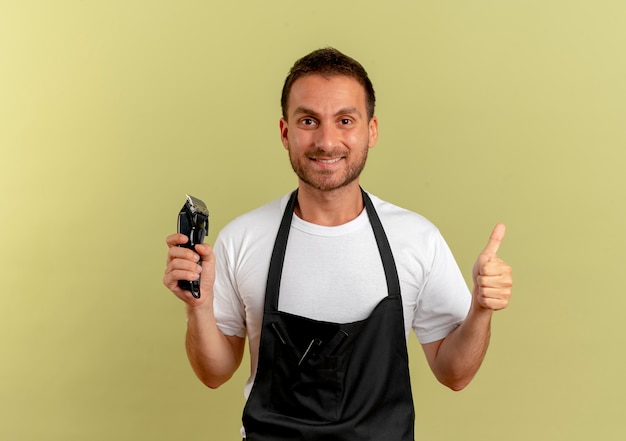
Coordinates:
456 359
214 357
461 353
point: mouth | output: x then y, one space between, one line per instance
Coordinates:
327 160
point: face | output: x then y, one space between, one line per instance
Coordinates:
327 131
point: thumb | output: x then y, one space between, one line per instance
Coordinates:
497 235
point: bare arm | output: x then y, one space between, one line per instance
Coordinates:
456 359
214 356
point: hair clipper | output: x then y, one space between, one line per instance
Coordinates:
193 222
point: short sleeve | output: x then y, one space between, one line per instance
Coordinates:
444 300
227 303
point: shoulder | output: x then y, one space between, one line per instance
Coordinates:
393 216
260 222
412 236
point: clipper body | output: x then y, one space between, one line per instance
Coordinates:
193 222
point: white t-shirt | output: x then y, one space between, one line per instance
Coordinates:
335 274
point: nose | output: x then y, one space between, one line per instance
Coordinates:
327 136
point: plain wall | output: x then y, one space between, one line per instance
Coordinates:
490 111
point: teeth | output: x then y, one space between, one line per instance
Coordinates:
328 161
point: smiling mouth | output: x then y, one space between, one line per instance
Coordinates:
326 161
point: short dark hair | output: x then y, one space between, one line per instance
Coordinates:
329 62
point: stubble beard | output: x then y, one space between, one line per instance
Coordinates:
325 180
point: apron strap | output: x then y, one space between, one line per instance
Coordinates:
389 264
278 256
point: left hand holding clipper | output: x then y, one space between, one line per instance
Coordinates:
193 226
186 264
193 222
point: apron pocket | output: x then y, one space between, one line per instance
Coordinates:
308 391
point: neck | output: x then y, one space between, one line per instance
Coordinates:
329 208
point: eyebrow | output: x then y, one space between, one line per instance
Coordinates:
345 111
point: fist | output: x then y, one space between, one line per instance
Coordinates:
185 264
493 281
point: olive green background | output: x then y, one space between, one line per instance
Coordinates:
490 111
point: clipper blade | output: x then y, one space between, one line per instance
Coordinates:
196 206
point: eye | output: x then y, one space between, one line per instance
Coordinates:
345 121
308 122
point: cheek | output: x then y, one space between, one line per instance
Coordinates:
354 138
361 140
299 140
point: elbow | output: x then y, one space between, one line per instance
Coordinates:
211 379
456 384
213 382
212 385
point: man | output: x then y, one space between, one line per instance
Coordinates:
327 282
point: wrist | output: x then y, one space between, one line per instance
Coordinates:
199 310
479 311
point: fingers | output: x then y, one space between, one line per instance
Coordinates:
497 235
494 267
204 250
180 269
200 251
494 298
180 258
176 239
494 285
503 282
186 264
488 300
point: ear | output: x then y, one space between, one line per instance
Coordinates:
373 132
284 129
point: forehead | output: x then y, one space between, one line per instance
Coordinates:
326 93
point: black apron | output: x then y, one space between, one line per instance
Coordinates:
322 381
